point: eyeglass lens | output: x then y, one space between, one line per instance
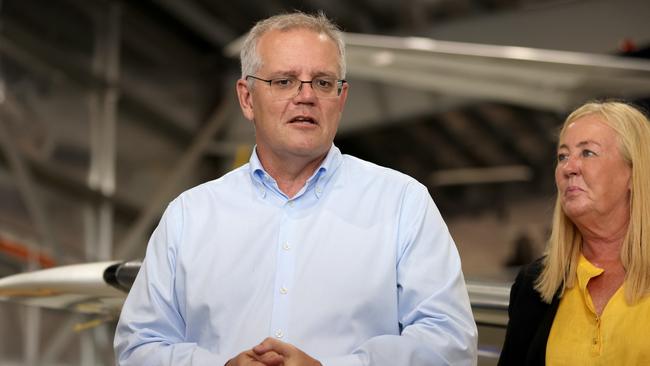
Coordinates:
287 88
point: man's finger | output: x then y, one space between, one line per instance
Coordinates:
246 358
269 358
271 344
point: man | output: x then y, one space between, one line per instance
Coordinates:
304 256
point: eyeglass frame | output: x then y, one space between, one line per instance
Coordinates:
339 83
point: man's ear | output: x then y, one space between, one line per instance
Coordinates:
245 99
343 97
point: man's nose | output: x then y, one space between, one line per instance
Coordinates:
305 91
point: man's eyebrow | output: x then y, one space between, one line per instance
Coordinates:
325 73
283 73
294 73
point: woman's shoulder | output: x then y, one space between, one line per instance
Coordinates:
524 285
532 270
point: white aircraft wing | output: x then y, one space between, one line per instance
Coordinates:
95 288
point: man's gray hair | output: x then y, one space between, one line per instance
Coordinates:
250 59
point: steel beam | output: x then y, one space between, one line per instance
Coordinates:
30 196
135 237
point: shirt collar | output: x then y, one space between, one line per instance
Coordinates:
586 271
326 170
320 179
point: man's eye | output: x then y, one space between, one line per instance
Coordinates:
282 83
324 83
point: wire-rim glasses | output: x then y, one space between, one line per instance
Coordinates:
288 87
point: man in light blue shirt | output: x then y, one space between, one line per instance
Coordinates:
303 256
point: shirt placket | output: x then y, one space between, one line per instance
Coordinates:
283 285
596 345
596 339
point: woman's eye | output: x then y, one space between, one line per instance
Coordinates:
561 157
587 153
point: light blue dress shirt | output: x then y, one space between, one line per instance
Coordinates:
357 269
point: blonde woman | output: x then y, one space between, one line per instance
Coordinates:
587 301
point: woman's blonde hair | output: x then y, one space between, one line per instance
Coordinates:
565 244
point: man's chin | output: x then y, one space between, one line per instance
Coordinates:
309 150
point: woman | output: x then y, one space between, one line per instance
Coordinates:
587 301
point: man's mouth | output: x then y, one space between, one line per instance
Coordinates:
303 119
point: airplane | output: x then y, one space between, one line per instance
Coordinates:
89 288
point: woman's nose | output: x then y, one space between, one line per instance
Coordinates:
570 166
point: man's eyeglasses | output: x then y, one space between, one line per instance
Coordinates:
288 87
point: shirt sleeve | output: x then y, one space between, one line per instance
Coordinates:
151 327
434 309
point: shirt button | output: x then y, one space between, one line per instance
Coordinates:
283 290
319 190
286 246
278 333
290 203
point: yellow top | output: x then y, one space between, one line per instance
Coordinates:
619 336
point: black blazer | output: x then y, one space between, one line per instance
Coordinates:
530 321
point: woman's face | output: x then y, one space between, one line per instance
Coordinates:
592 178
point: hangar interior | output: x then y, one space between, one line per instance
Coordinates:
109 109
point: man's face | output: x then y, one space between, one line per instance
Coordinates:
303 126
